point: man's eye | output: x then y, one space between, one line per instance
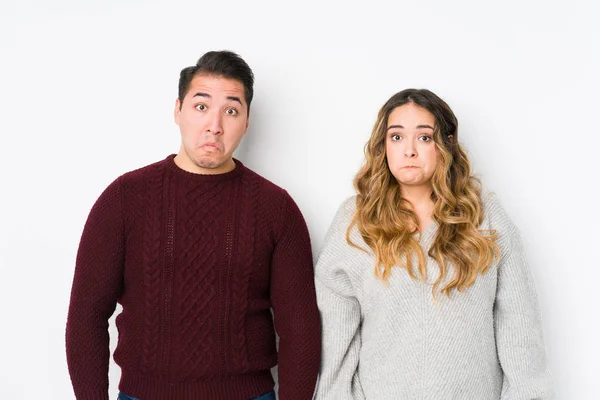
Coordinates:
201 107
231 111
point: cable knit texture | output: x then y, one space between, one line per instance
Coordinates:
394 342
197 262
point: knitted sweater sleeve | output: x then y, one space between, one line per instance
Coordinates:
296 316
96 285
340 314
519 338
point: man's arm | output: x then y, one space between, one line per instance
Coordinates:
97 284
295 307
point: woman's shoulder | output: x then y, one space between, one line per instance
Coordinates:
495 216
348 206
340 264
343 216
335 238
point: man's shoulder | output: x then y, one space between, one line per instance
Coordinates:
266 188
143 174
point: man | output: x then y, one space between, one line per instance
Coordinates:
197 249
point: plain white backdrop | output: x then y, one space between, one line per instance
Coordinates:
87 91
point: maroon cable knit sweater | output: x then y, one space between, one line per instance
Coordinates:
197 262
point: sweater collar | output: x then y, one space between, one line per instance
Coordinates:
177 171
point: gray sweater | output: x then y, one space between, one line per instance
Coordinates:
394 342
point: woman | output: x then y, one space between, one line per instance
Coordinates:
422 284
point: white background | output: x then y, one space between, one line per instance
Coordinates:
87 91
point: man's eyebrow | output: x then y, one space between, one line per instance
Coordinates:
235 98
232 98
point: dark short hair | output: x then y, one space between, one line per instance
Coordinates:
225 64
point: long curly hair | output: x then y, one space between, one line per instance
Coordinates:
387 221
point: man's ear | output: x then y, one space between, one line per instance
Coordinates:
177 111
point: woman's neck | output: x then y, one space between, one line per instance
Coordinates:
420 199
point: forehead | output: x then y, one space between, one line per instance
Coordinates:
410 114
216 87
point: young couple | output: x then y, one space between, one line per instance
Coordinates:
422 290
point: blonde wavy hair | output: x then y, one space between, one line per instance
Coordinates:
387 221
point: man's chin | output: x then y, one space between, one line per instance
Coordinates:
209 162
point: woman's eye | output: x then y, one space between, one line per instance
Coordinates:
425 138
201 107
395 138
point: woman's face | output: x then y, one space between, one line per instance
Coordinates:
409 147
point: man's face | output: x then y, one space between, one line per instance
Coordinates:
212 119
